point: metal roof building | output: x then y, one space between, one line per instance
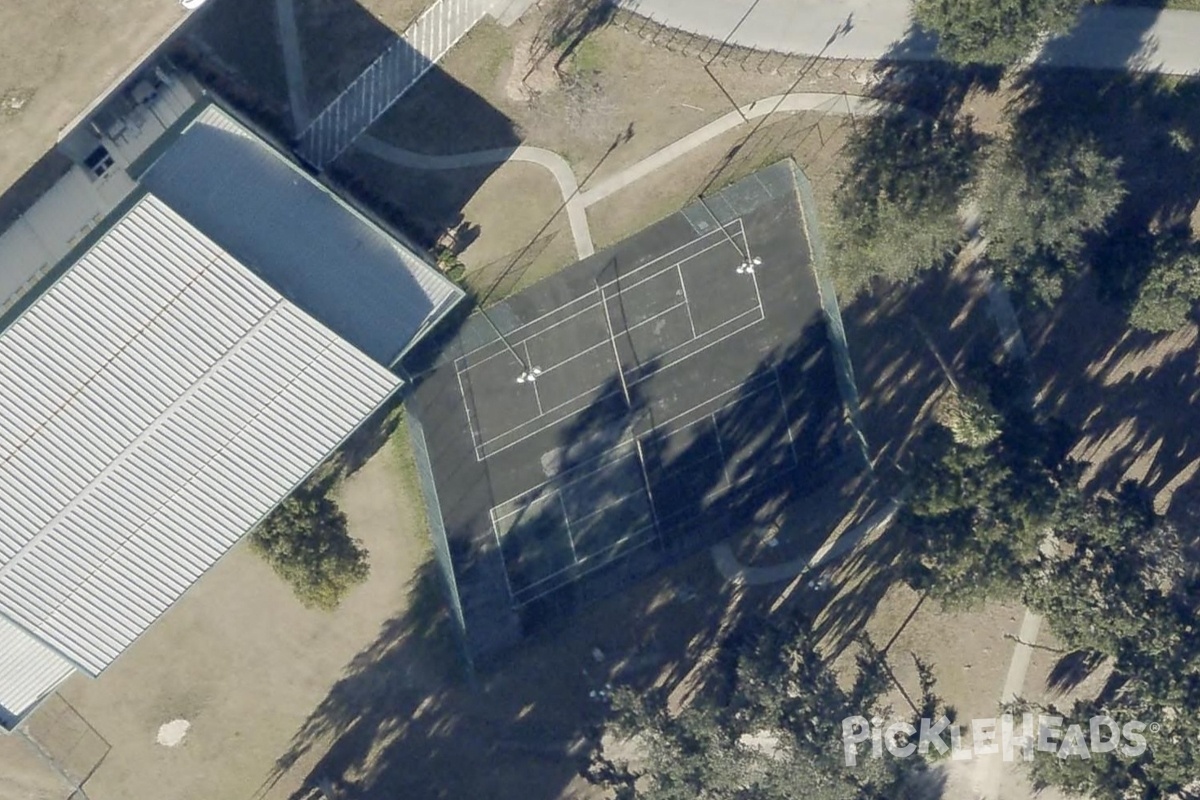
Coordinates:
172 381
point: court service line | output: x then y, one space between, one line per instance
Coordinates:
787 420
683 288
579 353
480 456
512 335
659 429
567 522
584 572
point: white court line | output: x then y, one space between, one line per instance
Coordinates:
567 521
558 492
730 321
574 480
787 420
601 286
484 443
582 573
607 460
683 288
467 407
480 455
649 494
529 363
720 450
500 550
753 276
522 597
603 298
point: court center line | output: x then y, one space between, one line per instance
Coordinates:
683 288
787 420
720 449
480 455
603 285
660 429
567 522
585 572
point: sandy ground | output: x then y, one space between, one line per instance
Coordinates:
241 660
56 56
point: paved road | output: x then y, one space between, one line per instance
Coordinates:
1142 39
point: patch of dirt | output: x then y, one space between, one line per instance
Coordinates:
56 56
1131 395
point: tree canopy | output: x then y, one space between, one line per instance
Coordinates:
897 206
1039 198
307 543
993 31
769 728
1171 288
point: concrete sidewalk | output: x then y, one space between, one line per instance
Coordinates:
1140 39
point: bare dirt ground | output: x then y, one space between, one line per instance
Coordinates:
1131 395
615 100
242 661
56 56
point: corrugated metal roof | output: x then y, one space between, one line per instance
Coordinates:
299 237
160 400
28 672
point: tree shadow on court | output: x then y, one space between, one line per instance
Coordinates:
523 726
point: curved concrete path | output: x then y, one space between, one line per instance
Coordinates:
575 200
556 164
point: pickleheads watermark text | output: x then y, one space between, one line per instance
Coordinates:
1005 735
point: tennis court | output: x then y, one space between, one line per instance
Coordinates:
631 409
650 318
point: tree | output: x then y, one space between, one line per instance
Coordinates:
897 206
1039 197
969 416
769 728
1170 290
993 31
306 542
975 517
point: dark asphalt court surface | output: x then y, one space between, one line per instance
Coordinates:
679 401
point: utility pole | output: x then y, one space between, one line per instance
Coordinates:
725 41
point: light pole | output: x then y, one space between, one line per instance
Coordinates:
529 372
749 262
